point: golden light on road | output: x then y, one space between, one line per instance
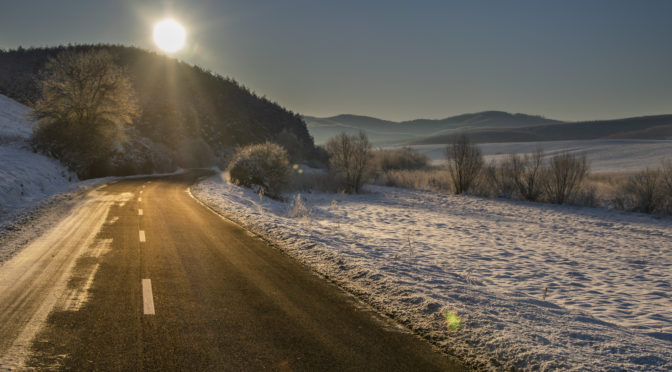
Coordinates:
169 35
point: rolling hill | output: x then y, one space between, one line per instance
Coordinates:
489 127
390 132
645 127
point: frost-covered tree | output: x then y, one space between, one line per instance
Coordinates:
87 101
264 165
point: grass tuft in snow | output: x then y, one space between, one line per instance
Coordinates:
298 208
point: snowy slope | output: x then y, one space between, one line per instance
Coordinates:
25 177
14 120
501 283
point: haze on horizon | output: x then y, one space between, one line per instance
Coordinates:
571 60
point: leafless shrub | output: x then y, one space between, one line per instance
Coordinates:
643 192
349 159
562 178
465 162
526 172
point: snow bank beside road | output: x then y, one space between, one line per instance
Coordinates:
496 282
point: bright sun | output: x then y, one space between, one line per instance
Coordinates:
169 35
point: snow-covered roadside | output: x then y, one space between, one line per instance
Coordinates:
34 190
499 283
29 221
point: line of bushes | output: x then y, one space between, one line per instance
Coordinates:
562 179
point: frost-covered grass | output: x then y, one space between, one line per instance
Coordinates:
499 283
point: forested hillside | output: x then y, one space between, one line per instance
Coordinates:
189 116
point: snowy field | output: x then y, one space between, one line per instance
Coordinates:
500 283
604 155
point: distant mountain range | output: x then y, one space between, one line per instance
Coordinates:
488 126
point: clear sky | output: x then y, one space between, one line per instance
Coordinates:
569 60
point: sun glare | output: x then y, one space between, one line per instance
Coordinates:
169 35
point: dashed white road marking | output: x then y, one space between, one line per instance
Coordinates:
142 236
147 298
141 191
140 199
139 212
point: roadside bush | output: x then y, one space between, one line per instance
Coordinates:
562 178
465 162
402 159
264 165
349 160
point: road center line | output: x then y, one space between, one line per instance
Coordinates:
142 236
147 297
139 212
139 199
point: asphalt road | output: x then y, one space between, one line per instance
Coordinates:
159 282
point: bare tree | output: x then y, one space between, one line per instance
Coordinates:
645 191
465 162
527 171
349 158
86 102
563 176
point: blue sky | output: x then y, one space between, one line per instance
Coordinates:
570 60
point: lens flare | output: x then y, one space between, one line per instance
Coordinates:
453 320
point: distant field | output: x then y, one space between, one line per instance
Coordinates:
604 155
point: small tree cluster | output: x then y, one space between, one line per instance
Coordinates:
528 177
349 159
264 165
